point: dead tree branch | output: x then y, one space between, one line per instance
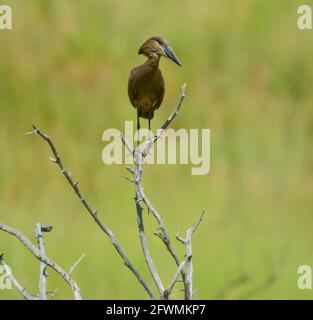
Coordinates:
74 184
73 267
187 242
13 280
43 258
168 291
140 196
39 229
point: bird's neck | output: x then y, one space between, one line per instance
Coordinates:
152 63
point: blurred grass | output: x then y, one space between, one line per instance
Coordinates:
249 71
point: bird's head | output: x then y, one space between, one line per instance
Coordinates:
158 46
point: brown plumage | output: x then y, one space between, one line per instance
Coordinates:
146 83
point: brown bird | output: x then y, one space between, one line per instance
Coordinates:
146 83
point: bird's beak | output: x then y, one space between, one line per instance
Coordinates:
171 55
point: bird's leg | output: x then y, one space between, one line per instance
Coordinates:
149 140
149 127
138 127
138 121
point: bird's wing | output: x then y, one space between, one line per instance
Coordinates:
132 92
160 92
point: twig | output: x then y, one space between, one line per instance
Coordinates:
13 280
43 258
195 226
73 267
42 269
178 237
53 293
128 146
174 280
195 292
187 242
57 160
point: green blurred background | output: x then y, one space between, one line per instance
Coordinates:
249 70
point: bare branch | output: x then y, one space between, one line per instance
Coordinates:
43 258
42 269
174 280
187 242
57 159
178 237
139 157
146 251
53 293
195 226
13 280
127 144
73 267
194 292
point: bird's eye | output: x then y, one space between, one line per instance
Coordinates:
161 43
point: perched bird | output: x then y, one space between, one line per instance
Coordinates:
146 83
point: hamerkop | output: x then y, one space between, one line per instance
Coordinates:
146 83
